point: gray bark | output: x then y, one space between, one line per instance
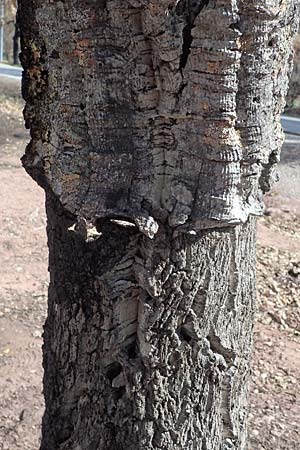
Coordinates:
155 131
116 88
148 342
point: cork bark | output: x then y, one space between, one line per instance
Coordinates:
154 132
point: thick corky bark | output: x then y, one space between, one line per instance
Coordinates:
155 131
167 109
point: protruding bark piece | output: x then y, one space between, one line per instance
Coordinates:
147 226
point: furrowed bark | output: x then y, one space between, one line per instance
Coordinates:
155 131
161 109
147 342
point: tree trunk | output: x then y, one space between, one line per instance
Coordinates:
155 131
147 342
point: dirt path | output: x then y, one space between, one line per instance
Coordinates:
275 408
23 274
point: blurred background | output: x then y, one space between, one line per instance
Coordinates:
9 32
274 418
293 99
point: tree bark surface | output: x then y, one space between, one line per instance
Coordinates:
155 129
148 342
163 111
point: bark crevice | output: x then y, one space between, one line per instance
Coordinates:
191 9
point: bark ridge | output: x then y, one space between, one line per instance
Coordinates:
164 111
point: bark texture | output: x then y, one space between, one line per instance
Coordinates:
148 342
155 129
162 109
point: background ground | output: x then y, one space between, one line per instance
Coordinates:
274 401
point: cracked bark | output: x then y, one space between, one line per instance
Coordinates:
155 130
147 342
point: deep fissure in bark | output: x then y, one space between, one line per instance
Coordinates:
192 11
186 46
